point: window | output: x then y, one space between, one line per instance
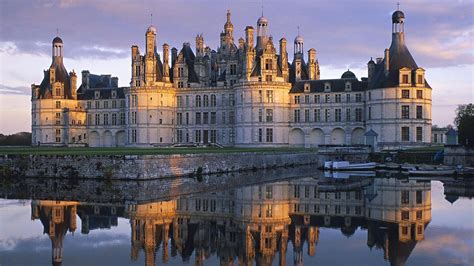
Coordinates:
405 134
187 118
106 119
114 119
269 115
260 135
180 72
205 118
58 104
213 100
97 119
348 98
317 98
122 118
338 115
269 134
405 230
306 116
231 99
327 115
297 99
233 69
179 118
198 101
317 115
179 135
114 104
297 116
198 136
268 192
419 215
419 134
260 115
358 97
179 101
406 94
198 118
348 114
338 98
134 135
213 136
89 105
97 104
405 112
419 94
269 96
328 98
134 117
370 112
405 78
269 211
231 117
268 64
306 99
405 215
358 114
213 118
419 112
260 96
106 104
205 101
419 197
268 78
405 197
419 79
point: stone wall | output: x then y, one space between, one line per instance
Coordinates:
144 167
458 155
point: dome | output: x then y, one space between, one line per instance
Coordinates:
398 16
57 40
262 20
348 75
299 39
152 29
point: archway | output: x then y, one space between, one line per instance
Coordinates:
296 137
94 139
120 138
107 140
357 136
338 136
316 137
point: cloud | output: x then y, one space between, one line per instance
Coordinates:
15 90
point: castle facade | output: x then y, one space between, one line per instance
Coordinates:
245 94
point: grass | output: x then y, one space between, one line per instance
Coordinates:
134 151
427 149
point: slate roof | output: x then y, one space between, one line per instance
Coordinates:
105 93
292 72
337 85
189 56
399 57
61 76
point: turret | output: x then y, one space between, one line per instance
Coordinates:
370 69
249 36
262 32
199 46
150 41
57 50
229 28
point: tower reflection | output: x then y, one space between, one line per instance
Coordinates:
256 224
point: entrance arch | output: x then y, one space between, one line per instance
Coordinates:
357 136
94 139
296 137
338 136
316 137
107 140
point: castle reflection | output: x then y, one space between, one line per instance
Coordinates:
256 224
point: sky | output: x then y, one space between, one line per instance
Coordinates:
98 35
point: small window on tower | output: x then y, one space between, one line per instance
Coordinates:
405 78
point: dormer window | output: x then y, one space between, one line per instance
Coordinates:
268 64
405 78
348 86
327 86
306 87
96 94
114 94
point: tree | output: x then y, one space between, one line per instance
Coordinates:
464 121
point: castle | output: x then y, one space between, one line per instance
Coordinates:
244 94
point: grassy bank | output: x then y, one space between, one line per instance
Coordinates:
134 151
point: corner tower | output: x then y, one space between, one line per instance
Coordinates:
398 96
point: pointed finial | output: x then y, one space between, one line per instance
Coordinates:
398 5
262 10
151 18
57 32
298 30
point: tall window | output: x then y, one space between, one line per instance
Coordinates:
268 192
97 119
269 96
419 112
233 69
405 78
419 94
297 99
134 135
198 118
205 101
297 116
317 115
348 98
269 115
328 98
213 118
306 116
122 118
358 114
420 79
106 119
213 100
358 97
338 98
405 134
58 104
198 101
419 197
260 135
260 96
419 134
114 119
269 134
327 115
268 64
405 111
260 115
317 98
306 99
348 114
338 115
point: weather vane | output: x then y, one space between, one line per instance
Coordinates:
151 18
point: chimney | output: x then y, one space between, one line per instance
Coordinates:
174 55
166 67
85 79
312 64
249 36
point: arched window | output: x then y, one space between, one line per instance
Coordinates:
198 100
206 101
213 100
